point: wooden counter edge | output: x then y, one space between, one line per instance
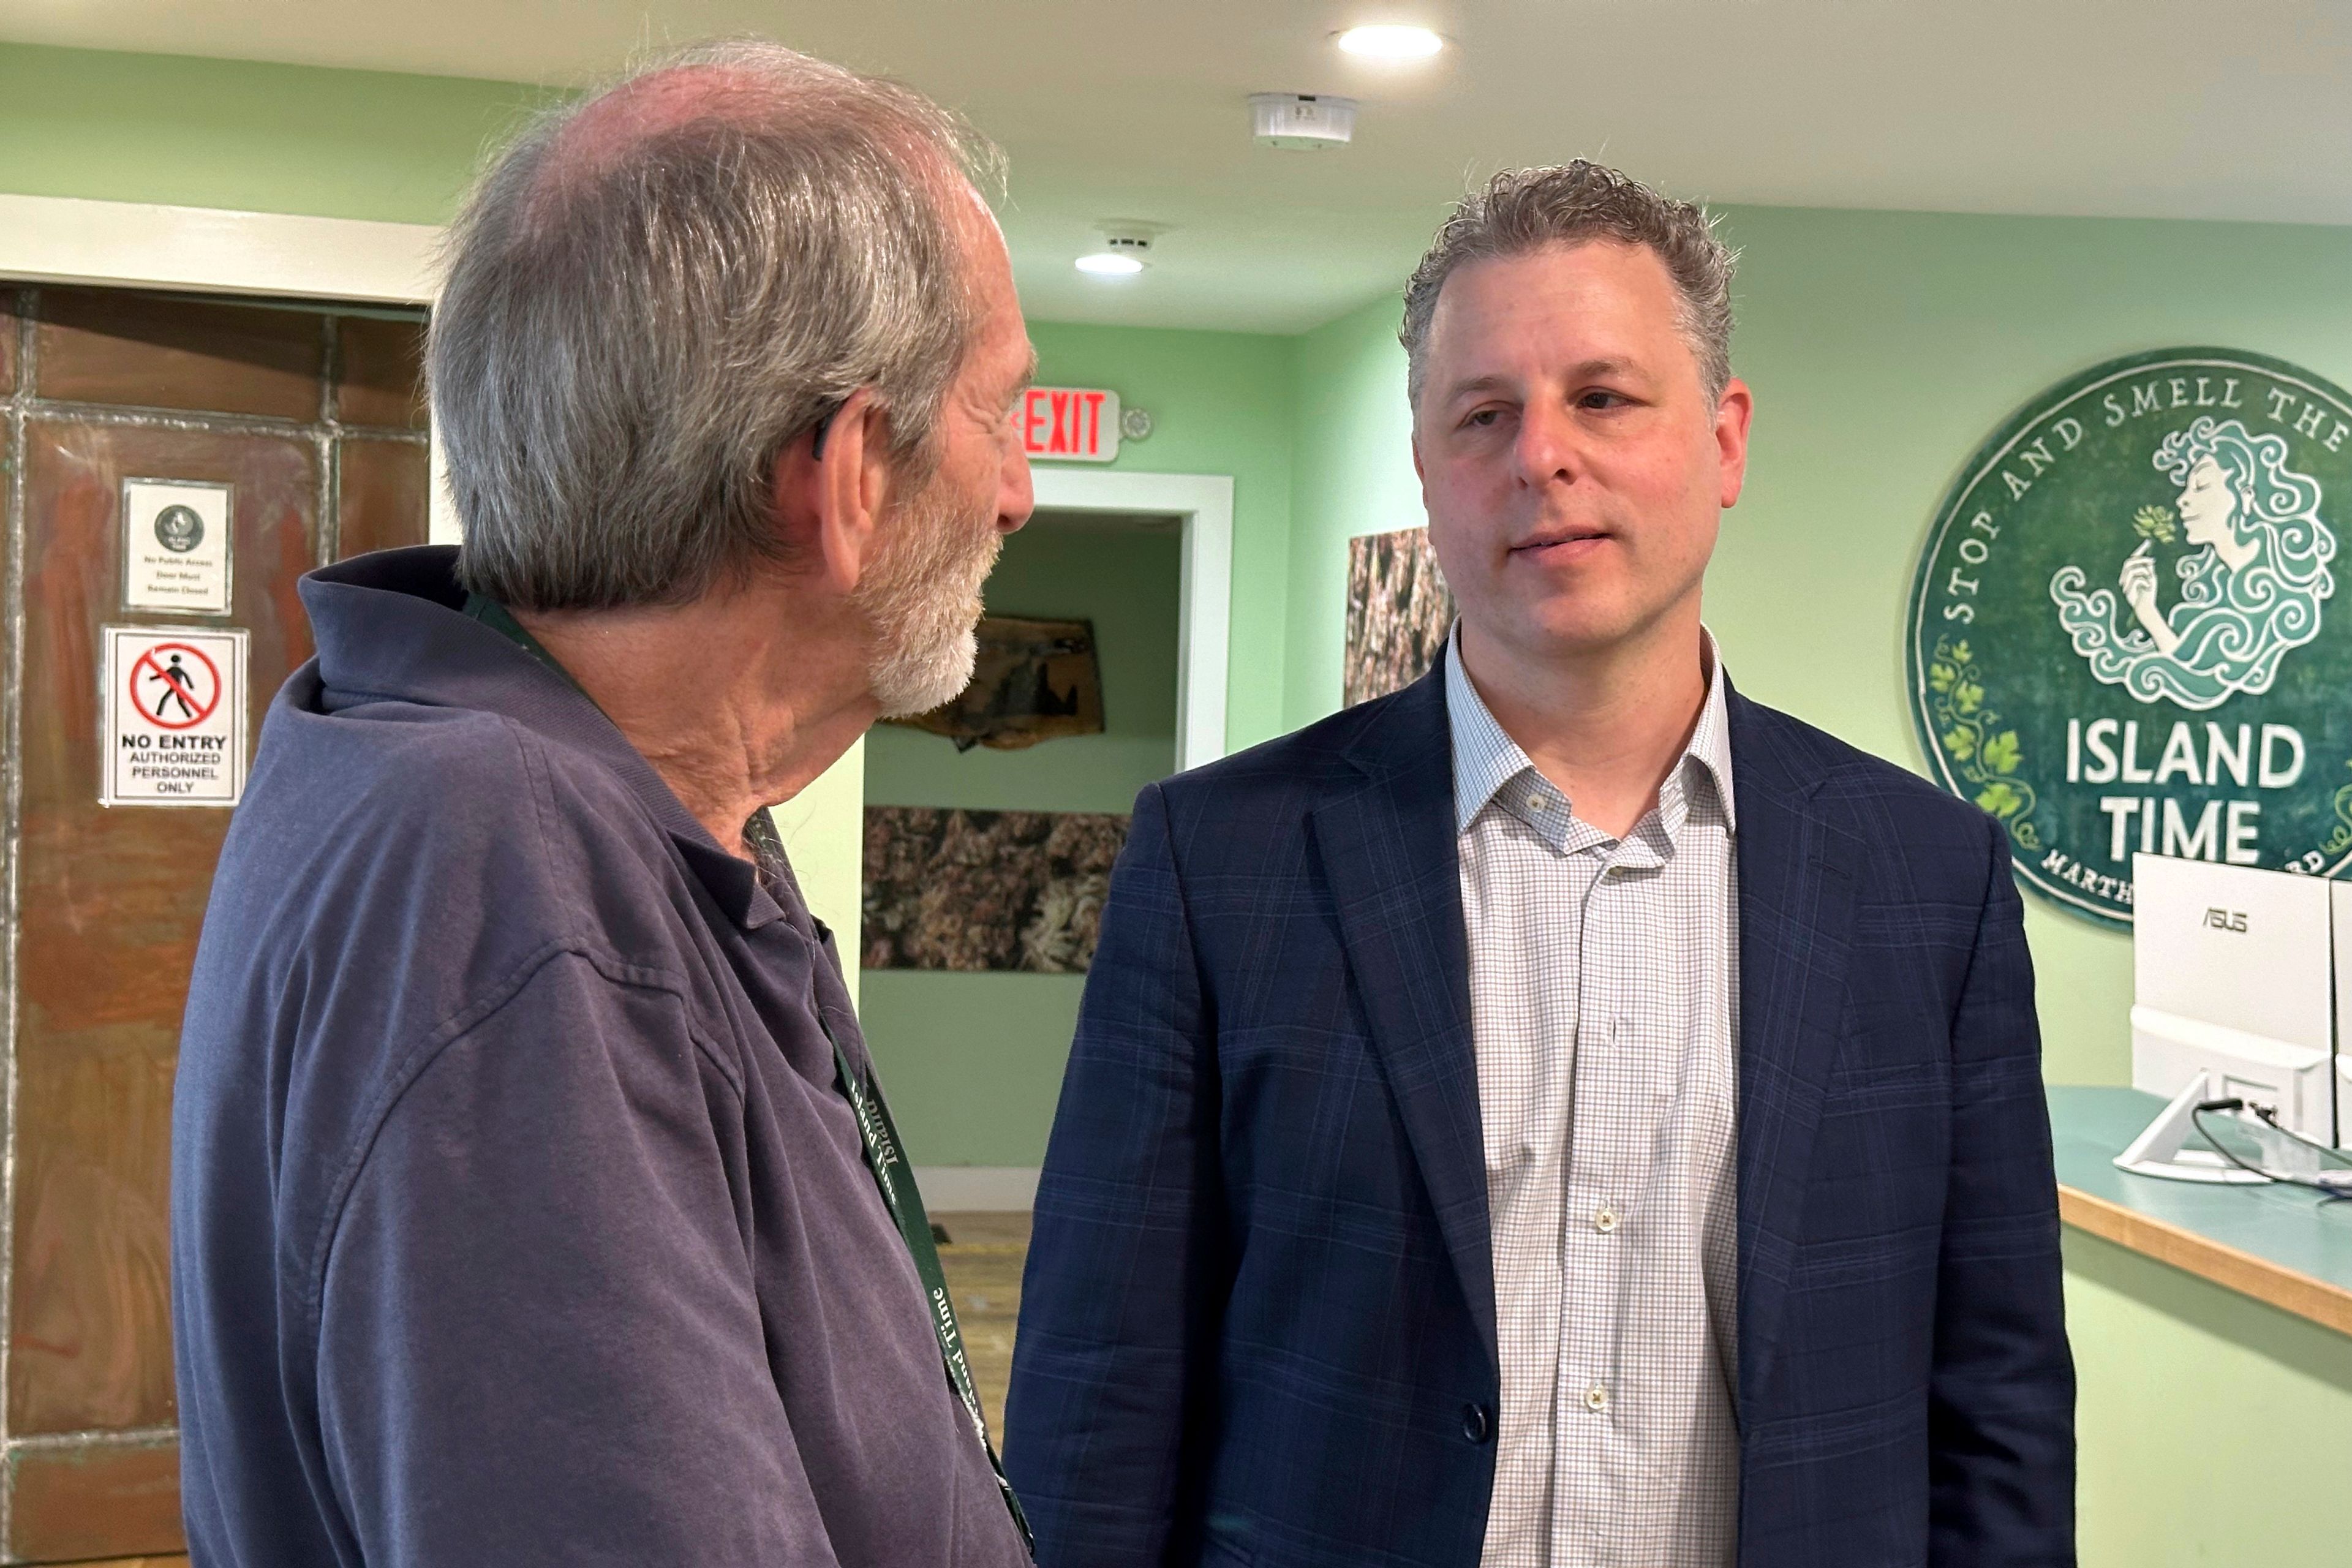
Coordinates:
2327 1305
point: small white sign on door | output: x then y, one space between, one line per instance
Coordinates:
175 554
174 706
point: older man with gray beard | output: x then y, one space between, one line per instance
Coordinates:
532 1198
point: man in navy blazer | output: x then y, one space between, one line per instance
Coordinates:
1562 1113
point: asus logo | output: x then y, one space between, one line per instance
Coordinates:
2226 920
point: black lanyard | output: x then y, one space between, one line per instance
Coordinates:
876 1131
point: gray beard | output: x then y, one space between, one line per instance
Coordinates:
922 600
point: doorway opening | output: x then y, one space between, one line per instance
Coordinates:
990 826
975 1091
990 829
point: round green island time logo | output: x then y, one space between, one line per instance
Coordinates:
2124 632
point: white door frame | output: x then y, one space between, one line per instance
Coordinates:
281 256
1204 502
65 239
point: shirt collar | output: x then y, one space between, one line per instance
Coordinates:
499 619
395 624
1486 758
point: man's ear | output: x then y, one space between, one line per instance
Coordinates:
831 488
1732 415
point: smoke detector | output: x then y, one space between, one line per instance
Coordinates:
1302 122
1125 251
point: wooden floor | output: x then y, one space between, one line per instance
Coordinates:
982 1257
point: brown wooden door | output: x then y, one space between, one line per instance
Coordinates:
313 420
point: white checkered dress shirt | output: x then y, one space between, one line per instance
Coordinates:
1603 999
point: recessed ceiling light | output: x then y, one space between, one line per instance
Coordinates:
1107 264
1391 43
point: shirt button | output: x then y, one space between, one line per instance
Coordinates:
1476 1424
1605 1219
1596 1399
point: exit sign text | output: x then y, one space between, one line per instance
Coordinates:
1069 424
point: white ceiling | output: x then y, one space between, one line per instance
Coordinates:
2239 110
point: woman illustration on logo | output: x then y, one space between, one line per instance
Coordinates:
2250 593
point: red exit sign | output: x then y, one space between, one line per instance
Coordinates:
1069 424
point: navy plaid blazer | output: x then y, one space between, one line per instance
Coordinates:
1258 1320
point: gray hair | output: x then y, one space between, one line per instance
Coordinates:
641 311
1522 210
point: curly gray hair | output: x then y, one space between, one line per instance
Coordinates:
1521 210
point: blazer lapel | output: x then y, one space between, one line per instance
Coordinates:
1798 873
1388 851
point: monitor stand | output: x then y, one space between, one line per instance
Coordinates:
2158 1152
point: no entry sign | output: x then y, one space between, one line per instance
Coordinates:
175 717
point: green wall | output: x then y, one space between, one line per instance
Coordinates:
974 1062
229 133
2209 1429
1882 347
1353 475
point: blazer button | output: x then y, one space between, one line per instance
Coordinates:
1476 1424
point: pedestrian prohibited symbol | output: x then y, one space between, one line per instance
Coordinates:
175 686
174 722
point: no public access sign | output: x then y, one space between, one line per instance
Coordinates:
175 717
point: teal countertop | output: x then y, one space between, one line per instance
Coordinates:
2286 1246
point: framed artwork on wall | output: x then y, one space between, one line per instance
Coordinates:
981 890
1034 681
